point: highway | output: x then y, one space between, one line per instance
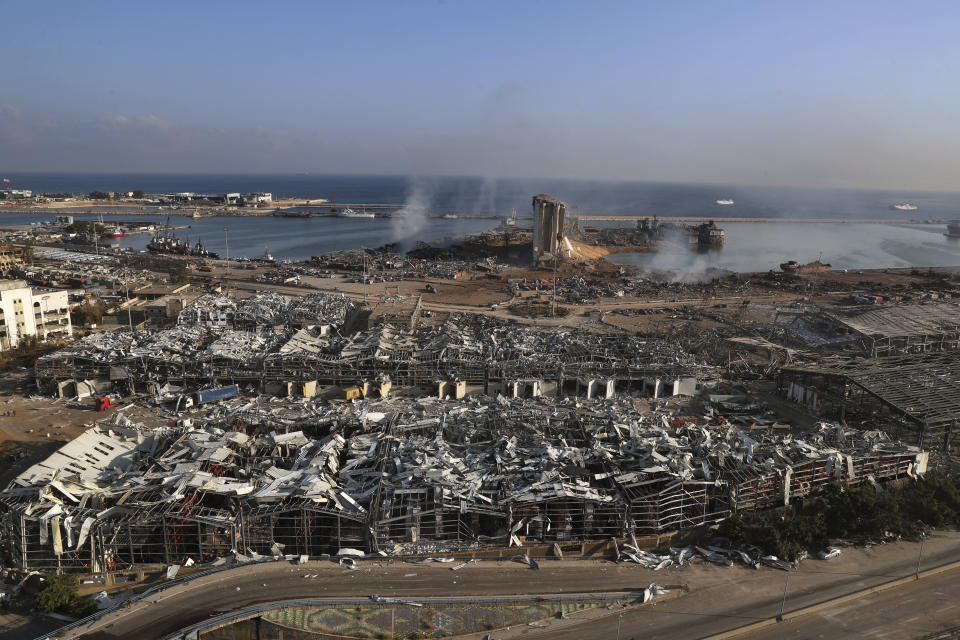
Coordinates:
721 598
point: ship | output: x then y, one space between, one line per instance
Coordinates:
165 242
116 232
199 251
811 267
508 224
724 201
267 257
953 228
903 206
350 213
288 213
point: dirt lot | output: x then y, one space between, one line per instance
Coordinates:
38 426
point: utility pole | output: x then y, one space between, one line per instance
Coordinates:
226 241
555 254
783 602
366 278
129 313
923 536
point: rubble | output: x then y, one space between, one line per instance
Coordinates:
266 342
265 477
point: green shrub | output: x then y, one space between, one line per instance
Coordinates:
59 595
842 512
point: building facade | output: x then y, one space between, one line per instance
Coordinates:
25 312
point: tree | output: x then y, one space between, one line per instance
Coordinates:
138 193
87 313
59 595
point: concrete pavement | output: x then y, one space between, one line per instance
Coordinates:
721 598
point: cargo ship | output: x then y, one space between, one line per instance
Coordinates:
811 267
167 243
350 213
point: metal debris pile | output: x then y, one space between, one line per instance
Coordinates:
271 476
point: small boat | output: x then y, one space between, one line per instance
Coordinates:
350 213
811 267
117 232
449 216
266 257
724 201
903 206
508 223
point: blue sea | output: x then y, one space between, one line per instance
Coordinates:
757 246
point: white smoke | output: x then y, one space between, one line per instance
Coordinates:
407 225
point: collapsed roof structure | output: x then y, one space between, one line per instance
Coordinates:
270 476
915 397
263 341
888 330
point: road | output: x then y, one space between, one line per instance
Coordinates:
910 611
721 598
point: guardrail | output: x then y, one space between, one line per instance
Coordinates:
255 610
404 558
154 589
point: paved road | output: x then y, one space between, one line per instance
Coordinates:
721 598
909 611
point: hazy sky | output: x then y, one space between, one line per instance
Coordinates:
807 93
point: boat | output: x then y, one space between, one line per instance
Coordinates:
903 206
508 223
953 228
199 251
724 201
350 213
811 267
266 256
292 214
117 232
164 242
449 216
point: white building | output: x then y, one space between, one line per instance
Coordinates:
15 194
24 312
257 197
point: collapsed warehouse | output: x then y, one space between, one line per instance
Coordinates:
266 344
875 330
272 477
915 397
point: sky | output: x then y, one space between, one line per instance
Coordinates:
827 94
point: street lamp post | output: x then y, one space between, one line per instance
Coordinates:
783 602
226 241
129 313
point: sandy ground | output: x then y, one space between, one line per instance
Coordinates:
42 425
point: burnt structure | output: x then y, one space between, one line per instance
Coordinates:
916 398
548 226
252 479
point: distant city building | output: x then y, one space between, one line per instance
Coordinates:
256 198
25 312
188 197
16 194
